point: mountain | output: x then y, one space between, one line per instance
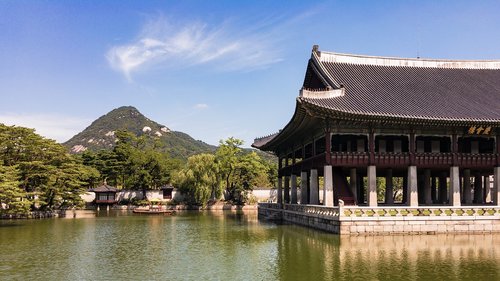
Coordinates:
101 134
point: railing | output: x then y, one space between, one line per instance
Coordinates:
270 206
475 160
391 212
314 210
438 212
350 158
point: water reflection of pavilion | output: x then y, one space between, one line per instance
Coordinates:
321 256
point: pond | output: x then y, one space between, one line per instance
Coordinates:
230 246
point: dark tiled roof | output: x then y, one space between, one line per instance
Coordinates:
105 188
258 142
415 92
408 90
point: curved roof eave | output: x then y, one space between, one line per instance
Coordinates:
373 116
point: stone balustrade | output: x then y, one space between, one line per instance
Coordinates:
438 212
314 210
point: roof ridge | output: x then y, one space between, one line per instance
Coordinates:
333 57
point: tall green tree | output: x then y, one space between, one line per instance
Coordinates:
199 179
49 177
13 200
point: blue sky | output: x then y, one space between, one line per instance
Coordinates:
212 69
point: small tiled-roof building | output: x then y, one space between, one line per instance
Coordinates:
105 194
434 124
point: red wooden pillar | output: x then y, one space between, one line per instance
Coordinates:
328 145
454 149
412 148
498 149
371 147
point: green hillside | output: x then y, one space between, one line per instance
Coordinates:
101 134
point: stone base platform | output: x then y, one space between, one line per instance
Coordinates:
353 220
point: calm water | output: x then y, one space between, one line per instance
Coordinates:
230 246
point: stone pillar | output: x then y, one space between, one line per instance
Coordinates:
328 188
313 184
427 187
478 189
467 189
389 189
293 179
454 187
487 189
496 187
442 191
303 188
353 183
372 186
280 191
412 188
286 190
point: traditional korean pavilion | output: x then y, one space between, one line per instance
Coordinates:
105 194
433 125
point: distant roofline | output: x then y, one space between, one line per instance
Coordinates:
409 62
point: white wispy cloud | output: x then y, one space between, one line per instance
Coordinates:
201 106
53 126
227 46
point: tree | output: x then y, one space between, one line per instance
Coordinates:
199 179
47 175
226 156
12 198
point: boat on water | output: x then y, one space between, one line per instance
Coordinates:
152 211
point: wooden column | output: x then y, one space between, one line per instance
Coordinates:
371 147
412 148
328 144
454 149
498 149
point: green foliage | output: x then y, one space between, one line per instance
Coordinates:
39 173
134 163
199 179
231 171
12 198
